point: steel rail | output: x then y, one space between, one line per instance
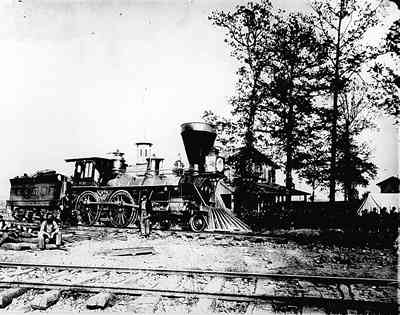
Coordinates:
303 300
226 274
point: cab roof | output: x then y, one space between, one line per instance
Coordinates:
93 158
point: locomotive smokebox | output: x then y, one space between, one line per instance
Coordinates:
198 139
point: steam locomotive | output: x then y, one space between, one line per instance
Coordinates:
101 190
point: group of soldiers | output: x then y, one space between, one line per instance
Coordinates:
382 221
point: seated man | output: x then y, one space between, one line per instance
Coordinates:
49 232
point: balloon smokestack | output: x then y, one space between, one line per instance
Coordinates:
198 138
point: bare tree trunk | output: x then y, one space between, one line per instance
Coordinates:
249 136
244 163
332 179
289 152
313 191
347 180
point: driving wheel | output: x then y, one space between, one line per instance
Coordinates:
121 211
88 212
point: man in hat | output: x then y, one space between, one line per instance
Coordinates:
145 214
49 232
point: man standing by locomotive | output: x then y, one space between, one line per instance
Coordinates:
145 214
49 231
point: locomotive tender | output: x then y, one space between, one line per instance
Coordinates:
35 195
102 190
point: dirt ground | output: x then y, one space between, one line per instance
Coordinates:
225 254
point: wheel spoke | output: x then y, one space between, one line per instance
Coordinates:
120 215
88 211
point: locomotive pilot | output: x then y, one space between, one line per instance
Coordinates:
49 232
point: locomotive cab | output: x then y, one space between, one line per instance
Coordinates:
93 171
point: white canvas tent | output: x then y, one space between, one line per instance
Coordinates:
378 201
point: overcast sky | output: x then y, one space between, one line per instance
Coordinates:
87 77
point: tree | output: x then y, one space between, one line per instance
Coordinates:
246 32
293 75
356 115
280 72
227 132
247 29
386 74
315 162
343 24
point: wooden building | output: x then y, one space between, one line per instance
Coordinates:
390 185
264 192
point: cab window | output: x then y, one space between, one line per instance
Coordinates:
88 170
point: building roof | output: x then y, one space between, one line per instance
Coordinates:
390 179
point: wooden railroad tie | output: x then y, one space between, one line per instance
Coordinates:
45 300
7 296
206 305
100 300
260 309
146 304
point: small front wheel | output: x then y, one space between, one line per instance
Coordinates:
165 224
198 223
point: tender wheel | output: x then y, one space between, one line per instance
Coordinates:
18 214
29 215
89 213
121 215
198 223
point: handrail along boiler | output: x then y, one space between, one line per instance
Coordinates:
102 190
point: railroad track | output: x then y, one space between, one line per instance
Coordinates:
205 289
